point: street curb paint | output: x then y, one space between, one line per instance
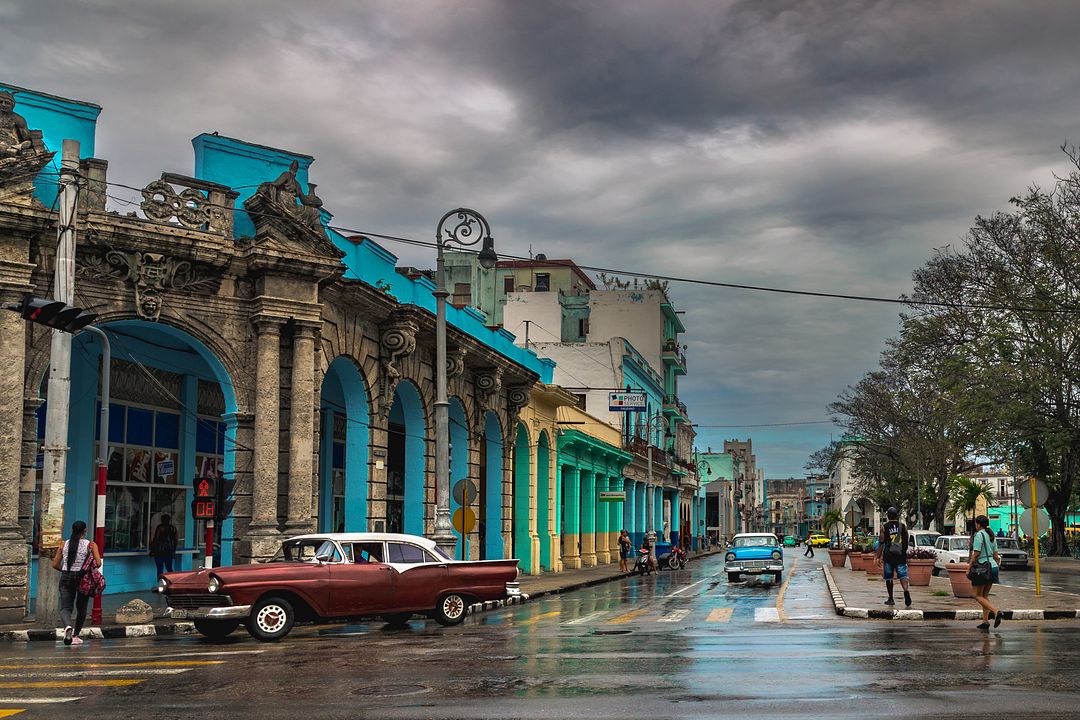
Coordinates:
963 615
106 632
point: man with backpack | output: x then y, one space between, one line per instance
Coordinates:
892 553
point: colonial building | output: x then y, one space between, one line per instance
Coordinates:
252 342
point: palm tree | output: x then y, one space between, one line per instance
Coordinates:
964 495
830 520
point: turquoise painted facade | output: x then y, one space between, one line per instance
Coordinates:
587 466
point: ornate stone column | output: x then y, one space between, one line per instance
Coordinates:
301 429
14 560
263 530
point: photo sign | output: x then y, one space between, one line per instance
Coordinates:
626 402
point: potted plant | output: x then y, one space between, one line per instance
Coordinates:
830 521
869 556
920 565
855 555
961 586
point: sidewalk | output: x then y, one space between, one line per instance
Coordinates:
532 587
862 595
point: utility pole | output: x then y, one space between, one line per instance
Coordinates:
527 323
59 395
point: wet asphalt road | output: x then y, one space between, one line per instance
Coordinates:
680 644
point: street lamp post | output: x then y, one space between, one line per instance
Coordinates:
455 227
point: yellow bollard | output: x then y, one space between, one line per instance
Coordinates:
1035 533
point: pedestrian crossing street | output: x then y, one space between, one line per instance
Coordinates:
39 687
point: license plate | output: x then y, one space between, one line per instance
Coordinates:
178 614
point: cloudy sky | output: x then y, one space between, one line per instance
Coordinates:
825 146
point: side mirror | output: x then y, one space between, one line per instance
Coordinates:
322 559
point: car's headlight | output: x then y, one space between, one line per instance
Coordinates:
776 555
162 585
729 557
214 585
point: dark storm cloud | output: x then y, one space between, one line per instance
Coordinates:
820 145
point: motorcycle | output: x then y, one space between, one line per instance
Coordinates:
676 559
643 565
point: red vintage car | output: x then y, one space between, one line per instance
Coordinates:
333 577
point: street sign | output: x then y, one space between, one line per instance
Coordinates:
1026 520
464 520
627 402
613 496
464 492
1023 492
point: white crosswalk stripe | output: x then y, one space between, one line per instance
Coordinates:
588 618
675 615
766 614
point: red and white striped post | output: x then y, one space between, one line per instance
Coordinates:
103 457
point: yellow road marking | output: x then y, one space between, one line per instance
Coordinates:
783 589
720 615
9 713
540 617
65 684
627 617
76 666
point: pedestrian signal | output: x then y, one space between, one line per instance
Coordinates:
225 500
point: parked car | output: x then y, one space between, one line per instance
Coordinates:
951 549
791 541
330 577
818 540
1010 553
754 554
922 538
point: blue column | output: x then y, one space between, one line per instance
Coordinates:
326 470
675 517
189 395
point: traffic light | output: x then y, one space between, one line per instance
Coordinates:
204 504
53 313
225 500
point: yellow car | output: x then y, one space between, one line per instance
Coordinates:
818 540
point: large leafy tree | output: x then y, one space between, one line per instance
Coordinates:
1001 316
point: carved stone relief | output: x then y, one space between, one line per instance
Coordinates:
200 205
517 397
151 274
22 152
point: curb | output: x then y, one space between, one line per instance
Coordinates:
881 614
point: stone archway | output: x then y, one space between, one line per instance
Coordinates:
343 449
406 461
521 534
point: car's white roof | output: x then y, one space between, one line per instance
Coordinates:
954 537
772 535
367 537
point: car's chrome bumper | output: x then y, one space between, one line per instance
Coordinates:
513 589
229 612
754 570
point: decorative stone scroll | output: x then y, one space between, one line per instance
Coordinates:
200 205
487 383
398 341
517 397
455 361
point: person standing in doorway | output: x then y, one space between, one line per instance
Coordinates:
69 560
624 551
984 555
891 551
163 545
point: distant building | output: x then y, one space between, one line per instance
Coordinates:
786 503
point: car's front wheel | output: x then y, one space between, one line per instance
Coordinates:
216 630
271 619
451 610
778 577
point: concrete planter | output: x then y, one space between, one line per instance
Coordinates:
868 562
961 586
837 558
919 571
855 558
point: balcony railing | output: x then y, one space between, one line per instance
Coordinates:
672 353
673 404
640 446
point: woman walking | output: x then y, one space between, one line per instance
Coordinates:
163 545
624 551
984 570
70 559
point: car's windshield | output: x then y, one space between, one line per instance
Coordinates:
925 540
1007 543
960 544
297 551
755 541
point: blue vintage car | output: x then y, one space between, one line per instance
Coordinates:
754 554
